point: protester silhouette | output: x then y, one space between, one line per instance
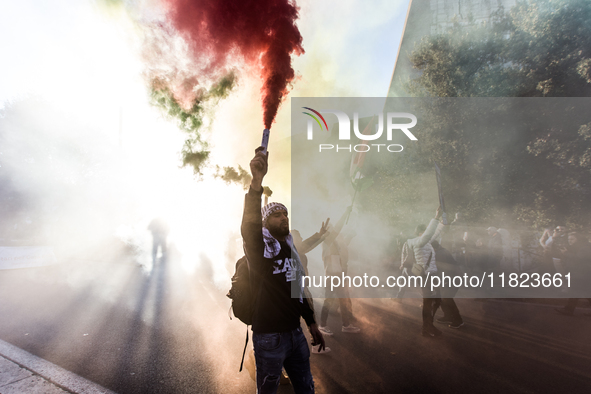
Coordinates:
159 229
335 255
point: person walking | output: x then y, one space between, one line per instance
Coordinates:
425 257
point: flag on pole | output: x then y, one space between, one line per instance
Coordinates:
358 180
358 159
441 200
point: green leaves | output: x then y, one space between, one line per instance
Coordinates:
239 176
192 120
538 49
531 168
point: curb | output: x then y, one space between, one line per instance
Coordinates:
51 373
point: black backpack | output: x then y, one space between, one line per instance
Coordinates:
241 293
243 298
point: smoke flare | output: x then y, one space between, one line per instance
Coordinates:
263 33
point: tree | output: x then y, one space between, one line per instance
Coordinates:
538 49
532 169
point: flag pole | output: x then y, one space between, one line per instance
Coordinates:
356 165
352 202
440 191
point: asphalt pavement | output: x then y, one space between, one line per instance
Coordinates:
129 330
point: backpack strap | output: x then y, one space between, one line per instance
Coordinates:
244 351
256 298
246 342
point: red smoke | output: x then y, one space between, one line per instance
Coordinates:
262 32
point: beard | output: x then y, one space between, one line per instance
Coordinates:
281 230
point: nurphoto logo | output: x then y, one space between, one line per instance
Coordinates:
393 123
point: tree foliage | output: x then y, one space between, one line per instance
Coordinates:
530 167
195 152
537 49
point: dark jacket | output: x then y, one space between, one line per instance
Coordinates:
495 248
578 264
445 261
275 309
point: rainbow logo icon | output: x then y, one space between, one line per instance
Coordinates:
315 118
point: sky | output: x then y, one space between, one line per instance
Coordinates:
83 59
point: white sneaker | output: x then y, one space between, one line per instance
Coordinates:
325 330
352 329
315 350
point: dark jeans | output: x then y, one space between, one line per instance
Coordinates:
288 350
344 301
448 305
402 290
431 301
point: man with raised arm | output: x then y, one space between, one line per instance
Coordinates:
335 254
425 257
275 268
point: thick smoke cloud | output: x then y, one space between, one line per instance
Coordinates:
262 33
232 175
194 50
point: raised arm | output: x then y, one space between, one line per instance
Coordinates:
438 233
431 229
544 238
310 243
252 220
334 233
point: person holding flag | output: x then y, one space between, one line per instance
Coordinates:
335 255
425 256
